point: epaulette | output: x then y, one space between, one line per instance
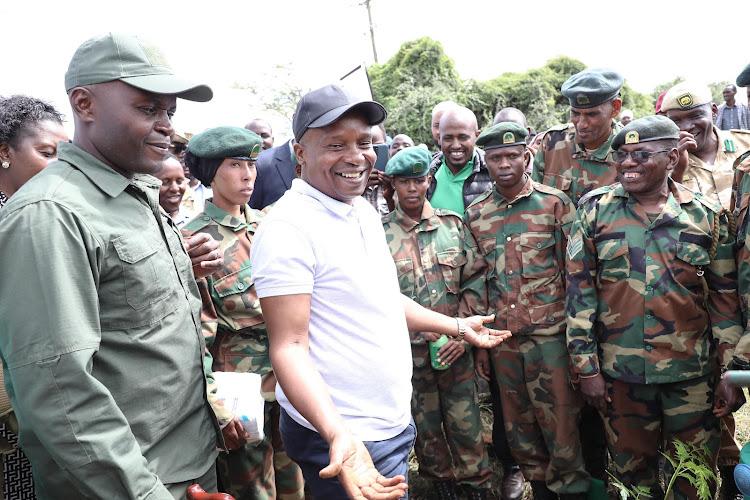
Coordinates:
712 205
543 188
597 192
559 128
479 198
442 212
740 160
385 219
198 223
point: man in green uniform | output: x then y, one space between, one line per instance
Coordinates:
573 157
432 261
521 228
646 343
707 167
101 342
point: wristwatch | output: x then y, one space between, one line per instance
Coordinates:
461 331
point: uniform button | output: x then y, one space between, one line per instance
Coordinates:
434 292
648 288
240 286
510 271
454 262
648 316
510 206
539 245
648 348
512 306
206 218
508 238
648 258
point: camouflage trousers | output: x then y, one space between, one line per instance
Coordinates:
262 471
541 410
643 416
445 407
729 451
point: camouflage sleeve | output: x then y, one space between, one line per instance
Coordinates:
537 173
742 351
209 324
723 299
473 278
564 215
581 294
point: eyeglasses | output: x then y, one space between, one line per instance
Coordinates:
636 156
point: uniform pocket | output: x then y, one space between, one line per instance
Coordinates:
141 268
450 264
614 260
547 314
538 255
405 273
688 266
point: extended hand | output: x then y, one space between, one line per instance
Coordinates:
684 146
351 462
594 393
205 254
480 336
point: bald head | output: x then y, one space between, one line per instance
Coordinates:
458 133
437 113
510 115
263 129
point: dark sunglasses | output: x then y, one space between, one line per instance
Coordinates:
636 156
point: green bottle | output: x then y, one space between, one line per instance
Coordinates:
434 348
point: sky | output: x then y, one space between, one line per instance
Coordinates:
223 42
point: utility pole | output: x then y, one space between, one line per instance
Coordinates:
366 3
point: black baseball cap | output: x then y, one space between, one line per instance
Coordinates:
324 106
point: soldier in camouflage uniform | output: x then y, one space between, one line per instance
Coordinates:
428 248
710 153
644 340
574 159
232 320
521 229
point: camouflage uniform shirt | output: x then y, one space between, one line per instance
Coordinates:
563 163
523 244
741 194
231 319
635 306
716 180
431 261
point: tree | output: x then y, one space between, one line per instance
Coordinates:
281 95
717 91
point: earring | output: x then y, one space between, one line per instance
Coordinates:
6 164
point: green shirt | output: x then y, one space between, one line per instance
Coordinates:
449 188
100 335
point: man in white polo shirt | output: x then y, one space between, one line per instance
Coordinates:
337 322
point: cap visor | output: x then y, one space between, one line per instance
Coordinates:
171 85
374 113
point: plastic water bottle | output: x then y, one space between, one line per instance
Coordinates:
434 348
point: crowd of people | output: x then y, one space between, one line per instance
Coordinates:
596 275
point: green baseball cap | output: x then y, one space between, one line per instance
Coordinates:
132 60
409 162
502 135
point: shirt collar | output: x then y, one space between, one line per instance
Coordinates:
337 207
429 220
230 221
102 175
527 189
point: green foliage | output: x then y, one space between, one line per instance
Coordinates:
664 86
640 104
690 462
717 91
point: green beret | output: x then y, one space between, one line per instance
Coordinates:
743 79
592 87
647 129
226 142
409 162
502 135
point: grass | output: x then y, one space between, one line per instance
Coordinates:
419 489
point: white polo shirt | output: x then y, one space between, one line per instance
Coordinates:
312 244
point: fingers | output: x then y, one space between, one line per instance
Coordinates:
331 470
487 319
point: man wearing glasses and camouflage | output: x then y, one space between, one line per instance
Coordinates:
651 285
